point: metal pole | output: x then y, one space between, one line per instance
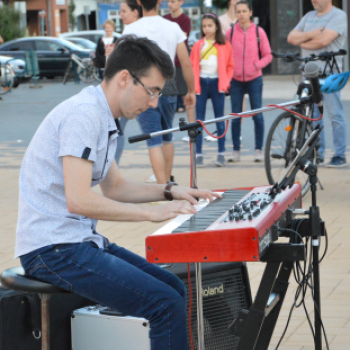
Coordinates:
45 321
224 118
200 318
49 16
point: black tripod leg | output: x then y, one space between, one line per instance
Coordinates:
256 315
279 292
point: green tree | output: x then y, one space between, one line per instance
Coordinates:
72 19
220 4
9 23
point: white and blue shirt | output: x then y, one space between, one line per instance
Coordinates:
82 126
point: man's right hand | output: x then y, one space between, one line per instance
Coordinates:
170 210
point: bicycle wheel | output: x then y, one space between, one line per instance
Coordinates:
86 74
7 78
281 148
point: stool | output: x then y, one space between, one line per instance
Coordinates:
15 279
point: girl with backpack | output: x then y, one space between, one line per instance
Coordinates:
212 63
251 53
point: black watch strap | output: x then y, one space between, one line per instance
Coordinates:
167 189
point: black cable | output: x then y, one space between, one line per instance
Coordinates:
303 275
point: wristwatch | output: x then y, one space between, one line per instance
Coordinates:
167 189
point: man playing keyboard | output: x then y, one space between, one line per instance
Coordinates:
73 150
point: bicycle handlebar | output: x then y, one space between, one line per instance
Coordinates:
322 56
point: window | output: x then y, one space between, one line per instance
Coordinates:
20 46
114 16
44 45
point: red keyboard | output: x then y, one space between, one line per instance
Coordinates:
234 228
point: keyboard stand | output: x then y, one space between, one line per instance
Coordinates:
255 326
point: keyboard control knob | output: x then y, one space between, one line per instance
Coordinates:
250 217
236 217
246 207
256 212
231 214
263 204
236 208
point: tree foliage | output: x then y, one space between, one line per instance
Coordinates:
72 19
9 23
220 4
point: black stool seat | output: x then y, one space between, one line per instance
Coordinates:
16 279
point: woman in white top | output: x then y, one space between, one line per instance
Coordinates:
104 44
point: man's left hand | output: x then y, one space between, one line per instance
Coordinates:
190 194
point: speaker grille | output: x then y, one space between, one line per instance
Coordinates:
224 294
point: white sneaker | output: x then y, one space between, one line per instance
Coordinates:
210 139
259 156
186 139
235 157
151 179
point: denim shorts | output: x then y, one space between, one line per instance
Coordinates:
158 119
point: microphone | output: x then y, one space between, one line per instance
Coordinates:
312 72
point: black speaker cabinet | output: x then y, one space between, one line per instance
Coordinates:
226 291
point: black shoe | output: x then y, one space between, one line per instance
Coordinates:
337 162
172 178
319 160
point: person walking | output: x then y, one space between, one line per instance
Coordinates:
251 53
212 63
171 39
325 29
176 15
130 12
105 45
229 18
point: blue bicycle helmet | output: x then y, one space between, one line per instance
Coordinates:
335 82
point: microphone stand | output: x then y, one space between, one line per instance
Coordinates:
192 129
315 227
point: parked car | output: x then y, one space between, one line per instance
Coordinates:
194 36
16 65
92 35
53 53
84 44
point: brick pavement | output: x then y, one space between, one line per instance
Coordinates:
333 201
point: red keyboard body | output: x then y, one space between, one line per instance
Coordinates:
240 234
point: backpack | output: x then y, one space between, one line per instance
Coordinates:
257 37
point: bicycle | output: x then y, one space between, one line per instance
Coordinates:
85 69
288 132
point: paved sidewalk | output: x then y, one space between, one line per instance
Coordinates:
333 201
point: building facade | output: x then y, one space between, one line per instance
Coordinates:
45 17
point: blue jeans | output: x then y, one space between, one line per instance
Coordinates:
121 280
120 140
209 88
333 109
254 89
158 119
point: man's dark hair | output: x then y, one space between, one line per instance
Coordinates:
149 5
138 55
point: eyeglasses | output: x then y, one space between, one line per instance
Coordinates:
152 94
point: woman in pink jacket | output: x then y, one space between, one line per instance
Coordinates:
212 63
247 77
